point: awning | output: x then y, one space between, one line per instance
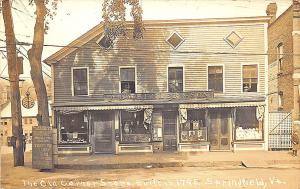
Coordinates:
221 105
81 108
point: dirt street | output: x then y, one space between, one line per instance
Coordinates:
188 177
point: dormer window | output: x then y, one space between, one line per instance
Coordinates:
104 42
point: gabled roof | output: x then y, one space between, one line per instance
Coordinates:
98 29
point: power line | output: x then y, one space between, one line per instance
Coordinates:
5 65
163 51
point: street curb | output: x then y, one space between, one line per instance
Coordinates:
148 165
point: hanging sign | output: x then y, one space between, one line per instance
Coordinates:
27 101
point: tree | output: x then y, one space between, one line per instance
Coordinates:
114 12
17 129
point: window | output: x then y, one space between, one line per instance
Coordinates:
30 120
280 100
175 79
280 57
104 42
133 127
80 81
247 127
127 77
194 129
5 122
215 78
233 39
25 121
175 40
73 128
250 78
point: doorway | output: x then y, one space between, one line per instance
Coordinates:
169 131
219 130
103 133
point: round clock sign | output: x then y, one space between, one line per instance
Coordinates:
27 101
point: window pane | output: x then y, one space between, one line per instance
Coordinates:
215 78
80 84
175 77
127 74
250 78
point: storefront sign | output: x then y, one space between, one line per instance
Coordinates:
160 96
42 148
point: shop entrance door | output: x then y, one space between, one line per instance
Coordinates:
103 134
169 131
219 130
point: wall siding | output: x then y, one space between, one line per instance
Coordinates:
152 55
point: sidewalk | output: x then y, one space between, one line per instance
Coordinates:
249 159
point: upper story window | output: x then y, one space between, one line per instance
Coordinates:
80 81
250 78
175 79
127 77
175 40
215 78
280 56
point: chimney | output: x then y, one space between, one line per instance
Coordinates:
271 11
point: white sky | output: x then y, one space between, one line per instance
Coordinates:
75 17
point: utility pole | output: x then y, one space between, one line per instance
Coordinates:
17 138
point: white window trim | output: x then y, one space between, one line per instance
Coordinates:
88 80
280 56
169 38
223 67
258 80
98 40
183 75
135 77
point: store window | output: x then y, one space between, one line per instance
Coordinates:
175 79
215 78
133 127
127 77
247 126
73 128
80 81
250 78
194 129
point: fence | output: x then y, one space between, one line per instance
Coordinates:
280 130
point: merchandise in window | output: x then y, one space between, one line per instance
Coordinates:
73 128
194 129
133 127
247 127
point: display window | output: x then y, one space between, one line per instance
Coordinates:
247 125
194 129
133 127
73 128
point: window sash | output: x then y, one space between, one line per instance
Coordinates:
127 74
215 78
80 81
175 79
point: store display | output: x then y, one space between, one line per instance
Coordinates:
248 134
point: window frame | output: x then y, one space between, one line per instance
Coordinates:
183 75
135 78
280 56
88 80
242 77
170 35
223 75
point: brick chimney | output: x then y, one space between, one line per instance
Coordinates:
271 11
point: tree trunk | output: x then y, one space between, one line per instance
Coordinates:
16 114
35 56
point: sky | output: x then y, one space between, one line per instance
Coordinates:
75 17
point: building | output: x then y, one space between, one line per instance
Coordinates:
28 121
284 41
174 90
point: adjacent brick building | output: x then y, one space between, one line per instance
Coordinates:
283 38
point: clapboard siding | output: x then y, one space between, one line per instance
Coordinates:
152 55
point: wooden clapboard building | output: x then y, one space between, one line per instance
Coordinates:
188 85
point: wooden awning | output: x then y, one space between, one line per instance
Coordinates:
81 108
220 105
